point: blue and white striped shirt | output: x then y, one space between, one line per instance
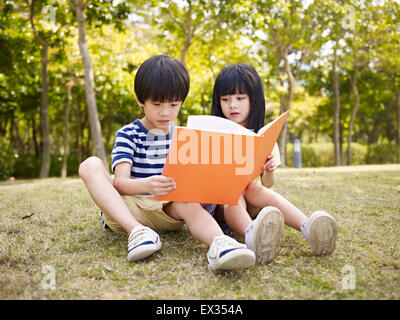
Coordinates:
145 151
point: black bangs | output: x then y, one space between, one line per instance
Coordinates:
231 82
162 79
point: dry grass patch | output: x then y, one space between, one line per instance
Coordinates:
54 223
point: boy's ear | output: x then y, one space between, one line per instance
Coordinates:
139 103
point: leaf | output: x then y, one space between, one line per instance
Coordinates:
28 216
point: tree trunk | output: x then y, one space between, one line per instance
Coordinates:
285 106
353 82
79 128
185 49
66 128
21 145
35 143
109 123
11 131
398 122
188 30
95 127
336 113
44 122
44 125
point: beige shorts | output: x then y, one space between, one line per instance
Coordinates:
147 211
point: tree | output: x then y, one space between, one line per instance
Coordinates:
289 29
79 6
359 49
44 124
69 86
388 61
185 21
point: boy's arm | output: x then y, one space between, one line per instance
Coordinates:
156 185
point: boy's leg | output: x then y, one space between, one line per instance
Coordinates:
260 197
142 241
200 223
224 252
100 186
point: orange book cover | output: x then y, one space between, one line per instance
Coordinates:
213 159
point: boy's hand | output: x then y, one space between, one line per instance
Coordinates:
270 164
160 185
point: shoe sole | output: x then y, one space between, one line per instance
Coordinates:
323 231
236 259
267 234
142 252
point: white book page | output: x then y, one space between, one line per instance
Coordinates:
217 124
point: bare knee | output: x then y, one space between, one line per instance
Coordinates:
253 187
180 210
185 206
89 167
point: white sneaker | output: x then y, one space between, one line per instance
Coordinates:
320 230
264 232
226 253
142 243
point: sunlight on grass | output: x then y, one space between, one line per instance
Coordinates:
54 222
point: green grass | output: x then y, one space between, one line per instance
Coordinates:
65 232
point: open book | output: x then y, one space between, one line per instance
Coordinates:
213 159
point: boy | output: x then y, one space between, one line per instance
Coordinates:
127 201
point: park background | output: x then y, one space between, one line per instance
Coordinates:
67 70
66 86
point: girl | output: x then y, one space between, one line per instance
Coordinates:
238 96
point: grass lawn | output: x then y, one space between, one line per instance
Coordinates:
52 227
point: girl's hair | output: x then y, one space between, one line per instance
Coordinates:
162 78
241 79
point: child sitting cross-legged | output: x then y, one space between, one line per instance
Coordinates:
127 200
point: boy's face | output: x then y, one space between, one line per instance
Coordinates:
158 115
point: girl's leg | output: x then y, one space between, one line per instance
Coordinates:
100 186
237 218
261 235
259 196
320 229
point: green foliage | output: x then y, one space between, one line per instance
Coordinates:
6 158
359 153
312 155
29 166
321 154
382 153
214 34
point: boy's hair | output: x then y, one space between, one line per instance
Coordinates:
241 79
162 78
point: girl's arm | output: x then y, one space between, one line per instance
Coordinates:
267 177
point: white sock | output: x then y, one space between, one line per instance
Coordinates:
249 237
305 231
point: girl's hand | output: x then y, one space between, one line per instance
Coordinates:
270 164
159 185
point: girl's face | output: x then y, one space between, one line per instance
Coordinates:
236 107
